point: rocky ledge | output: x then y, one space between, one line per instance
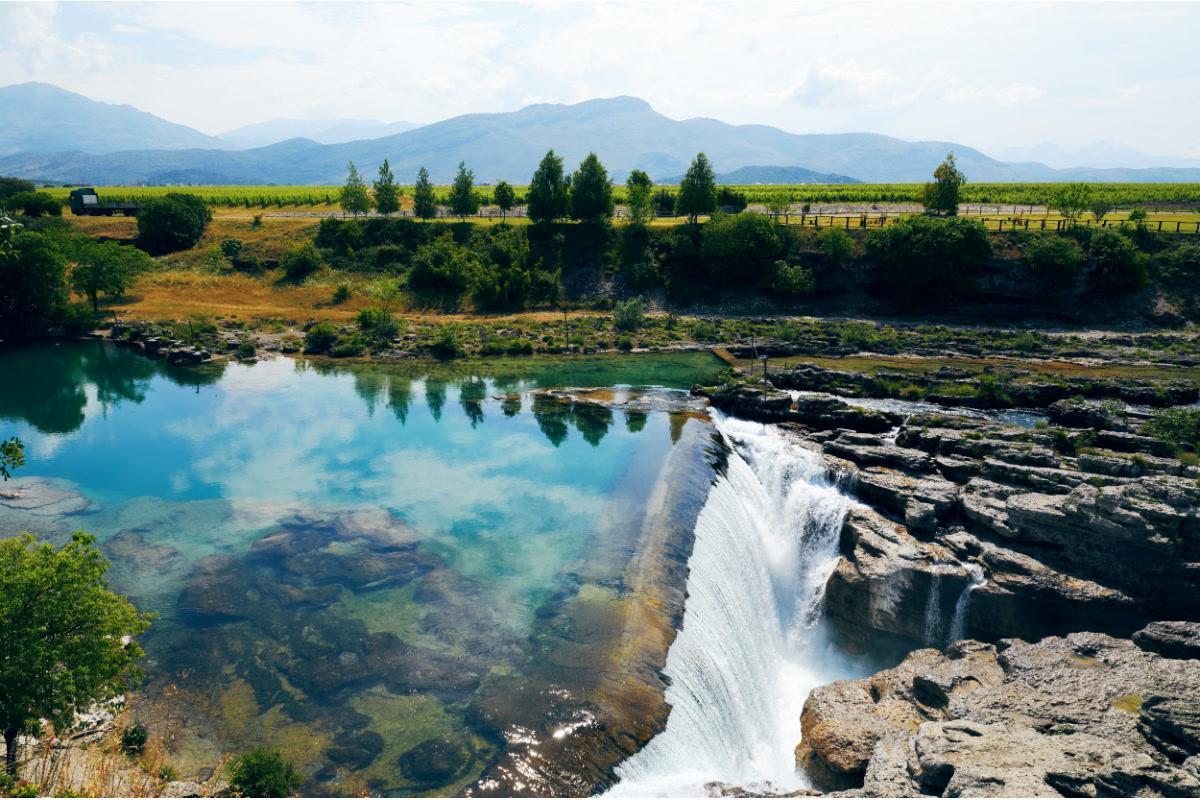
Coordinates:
1086 715
970 527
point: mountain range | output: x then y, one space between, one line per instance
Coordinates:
322 131
52 135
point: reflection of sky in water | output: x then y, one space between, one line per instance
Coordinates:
496 498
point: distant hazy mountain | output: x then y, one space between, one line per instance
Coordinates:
40 118
323 131
625 132
1097 155
773 175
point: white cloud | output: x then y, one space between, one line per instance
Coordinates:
927 70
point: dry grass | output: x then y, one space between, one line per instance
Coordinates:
101 769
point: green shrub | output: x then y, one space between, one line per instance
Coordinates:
629 315
133 739
625 343
263 773
172 222
1117 266
792 280
341 294
33 204
320 337
1180 265
740 249
246 349
301 261
349 345
232 248
167 773
446 342
1177 426
925 259
1054 261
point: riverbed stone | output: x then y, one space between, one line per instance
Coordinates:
1081 715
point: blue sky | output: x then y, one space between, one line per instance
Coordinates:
999 76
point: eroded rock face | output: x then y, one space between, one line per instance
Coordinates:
980 529
1083 715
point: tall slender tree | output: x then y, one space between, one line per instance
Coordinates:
355 198
698 190
463 200
424 199
640 190
548 190
941 196
505 198
387 196
591 193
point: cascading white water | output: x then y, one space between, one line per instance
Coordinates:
959 622
751 646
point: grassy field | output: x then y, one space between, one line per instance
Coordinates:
1165 196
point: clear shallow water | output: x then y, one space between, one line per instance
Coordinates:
388 572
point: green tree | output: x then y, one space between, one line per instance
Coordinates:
106 268
387 196
941 196
33 286
263 773
697 190
629 315
505 197
640 191
1100 209
172 222
463 200
355 197
591 193
12 456
67 636
547 199
424 198
443 270
1071 200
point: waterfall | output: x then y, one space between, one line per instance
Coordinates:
933 610
751 647
959 623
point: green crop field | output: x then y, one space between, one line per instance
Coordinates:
1168 196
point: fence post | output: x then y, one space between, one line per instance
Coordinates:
1160 226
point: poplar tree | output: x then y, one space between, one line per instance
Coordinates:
698 190
355 198
387 196
424 199
640 190
548 190
591 193
505 197
463 200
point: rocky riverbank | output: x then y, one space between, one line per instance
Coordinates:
1013 565
1086 715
